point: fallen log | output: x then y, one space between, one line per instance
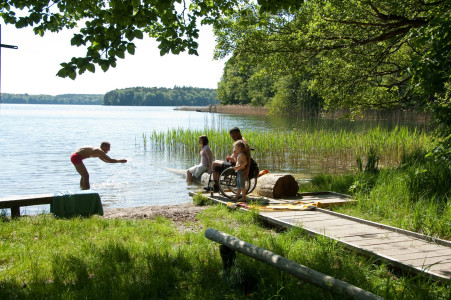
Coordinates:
276 186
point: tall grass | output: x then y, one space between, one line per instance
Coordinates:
42 257
294 150
414 196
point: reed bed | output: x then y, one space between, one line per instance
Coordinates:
324 150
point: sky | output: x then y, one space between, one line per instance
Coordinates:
33 66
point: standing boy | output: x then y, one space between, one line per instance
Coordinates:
239 148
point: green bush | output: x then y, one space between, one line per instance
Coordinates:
428 177
201 200
336 183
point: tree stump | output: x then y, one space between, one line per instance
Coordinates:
276 186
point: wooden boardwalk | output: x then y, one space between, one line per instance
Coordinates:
410 251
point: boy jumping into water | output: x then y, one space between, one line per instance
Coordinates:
86 152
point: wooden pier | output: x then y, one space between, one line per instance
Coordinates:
409 251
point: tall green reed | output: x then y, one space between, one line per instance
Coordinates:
333 150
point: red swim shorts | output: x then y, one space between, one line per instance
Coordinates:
76 159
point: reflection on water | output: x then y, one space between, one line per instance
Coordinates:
36 142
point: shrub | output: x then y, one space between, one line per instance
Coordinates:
201 200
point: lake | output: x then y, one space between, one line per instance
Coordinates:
36 142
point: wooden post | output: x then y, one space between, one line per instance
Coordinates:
309 275
15 211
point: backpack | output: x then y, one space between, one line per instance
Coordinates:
253 169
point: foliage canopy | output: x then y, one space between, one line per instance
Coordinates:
354 54
111 27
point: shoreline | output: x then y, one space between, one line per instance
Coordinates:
176 212
400 115
227 109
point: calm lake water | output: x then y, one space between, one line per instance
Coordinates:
36 142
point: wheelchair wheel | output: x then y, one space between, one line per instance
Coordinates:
252 184
227 183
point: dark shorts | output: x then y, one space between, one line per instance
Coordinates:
225 165
76 159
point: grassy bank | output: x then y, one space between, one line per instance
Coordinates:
332 150
95 258
414 195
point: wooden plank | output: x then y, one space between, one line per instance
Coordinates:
443 269
342 231
408 245
27 200
377 237
326 222
421 254
403 231
302 214
428 262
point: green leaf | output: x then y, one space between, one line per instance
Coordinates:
120 54
129 34
105 66
138 34
62 73
131 48
91 68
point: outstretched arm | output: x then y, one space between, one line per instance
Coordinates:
108 159
102 155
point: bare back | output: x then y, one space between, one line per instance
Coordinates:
88 151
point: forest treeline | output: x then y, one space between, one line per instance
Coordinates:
153 96
139 96
82 99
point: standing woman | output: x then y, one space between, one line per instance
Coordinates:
206 159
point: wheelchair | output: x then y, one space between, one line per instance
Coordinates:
227 180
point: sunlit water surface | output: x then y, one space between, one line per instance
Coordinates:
36 142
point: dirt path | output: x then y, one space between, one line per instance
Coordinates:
181 212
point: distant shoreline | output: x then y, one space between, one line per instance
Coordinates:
227 109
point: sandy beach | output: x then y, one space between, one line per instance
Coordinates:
180 213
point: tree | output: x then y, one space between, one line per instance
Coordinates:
232 89
358 53
152 96
111 26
